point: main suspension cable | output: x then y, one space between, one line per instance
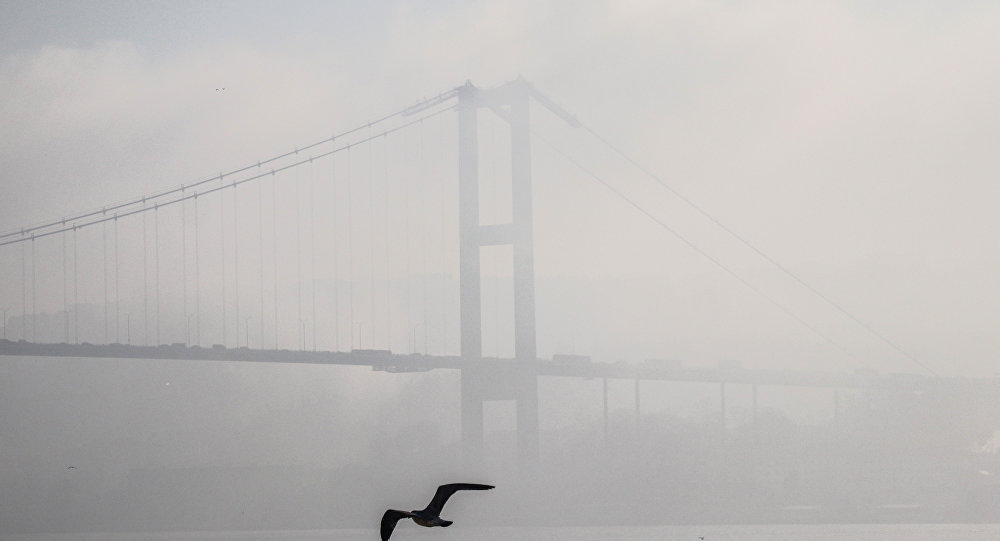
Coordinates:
422 105
229 185
691 244
758 251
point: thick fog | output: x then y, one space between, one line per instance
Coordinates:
760 191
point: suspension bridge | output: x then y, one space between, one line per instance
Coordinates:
344 251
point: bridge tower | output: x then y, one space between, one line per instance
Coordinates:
510 380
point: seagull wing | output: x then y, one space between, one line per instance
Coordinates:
445 491
389 520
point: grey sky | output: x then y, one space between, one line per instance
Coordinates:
165 26
852 141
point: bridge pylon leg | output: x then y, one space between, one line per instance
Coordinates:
472 417
499 382
527 419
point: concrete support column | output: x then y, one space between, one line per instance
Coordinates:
637 403
722 403
605 381
836 406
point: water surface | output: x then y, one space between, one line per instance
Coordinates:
831 532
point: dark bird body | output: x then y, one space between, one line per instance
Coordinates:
430 515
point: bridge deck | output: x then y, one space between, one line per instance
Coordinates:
387 361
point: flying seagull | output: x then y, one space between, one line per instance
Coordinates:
428 516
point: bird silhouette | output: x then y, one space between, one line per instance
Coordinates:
430 515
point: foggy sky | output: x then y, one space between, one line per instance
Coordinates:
853 142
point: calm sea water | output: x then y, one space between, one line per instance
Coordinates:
854 532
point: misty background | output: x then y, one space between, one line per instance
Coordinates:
850 141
